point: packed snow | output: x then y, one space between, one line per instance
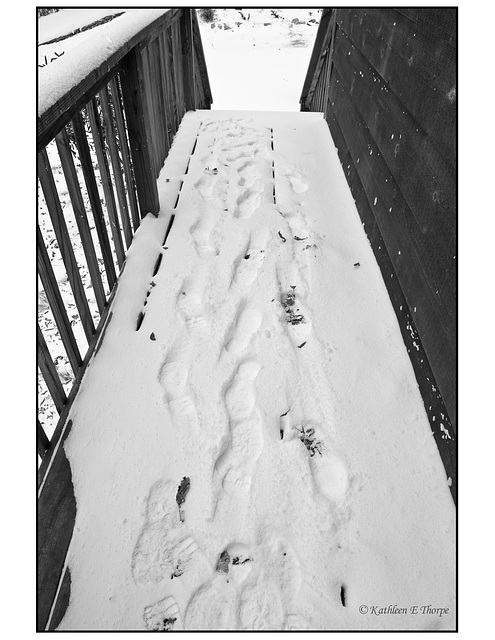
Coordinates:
249 447
248 357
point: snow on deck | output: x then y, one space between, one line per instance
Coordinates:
270 372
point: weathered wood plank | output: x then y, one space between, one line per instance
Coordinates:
106 179
178 72
171 98
175 15
426 180
49 373
419 70
161 92
56 303
80 214
188 69
56 517
165 97
150 118
94 197
121 128
137 114
442 21
410 14
60 114
49 187
111 136
157 104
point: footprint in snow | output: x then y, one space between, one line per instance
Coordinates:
239 397
248 202
298 183
330 477
249 174
250 261
164 549
191 308
246 324
206 184
162 616
213 606
201 232
271 603
173 379
329 472
235 465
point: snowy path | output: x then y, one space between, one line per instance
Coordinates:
250 361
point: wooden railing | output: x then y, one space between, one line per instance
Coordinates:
385 81
108 138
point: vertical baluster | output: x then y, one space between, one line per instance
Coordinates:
57 307
106 180
148 82
171 100
178 75
63 146
187 51
94 197
158 105
49 373
121 128
137 114
165 94
64 244
116 164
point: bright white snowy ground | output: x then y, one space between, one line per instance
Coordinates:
258 58
200 391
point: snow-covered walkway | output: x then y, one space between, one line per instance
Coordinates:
269 381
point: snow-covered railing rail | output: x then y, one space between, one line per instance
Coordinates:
385 80
108 112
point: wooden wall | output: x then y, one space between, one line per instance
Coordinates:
386 81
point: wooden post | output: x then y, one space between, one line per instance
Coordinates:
137 115
186 35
